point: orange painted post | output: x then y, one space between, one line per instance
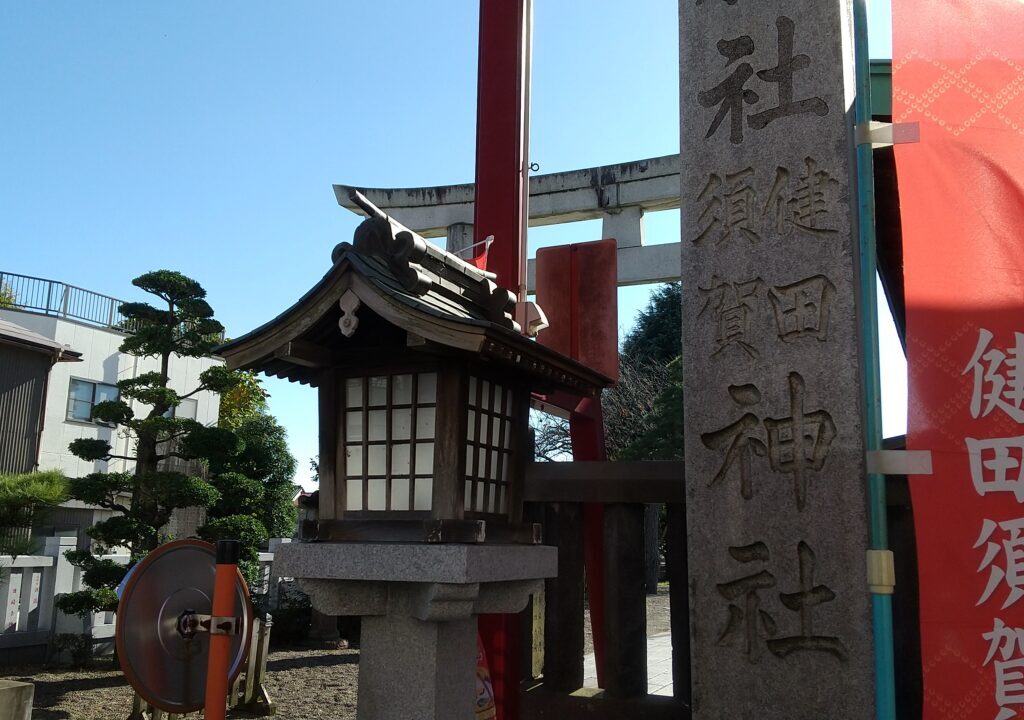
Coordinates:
220 642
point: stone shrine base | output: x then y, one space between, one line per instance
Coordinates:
16 700
419 605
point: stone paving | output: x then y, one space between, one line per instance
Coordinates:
659 666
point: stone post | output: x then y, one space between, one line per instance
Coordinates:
776 506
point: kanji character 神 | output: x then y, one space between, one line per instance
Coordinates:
740 440
800 442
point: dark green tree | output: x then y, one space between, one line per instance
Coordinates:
255 484
181 324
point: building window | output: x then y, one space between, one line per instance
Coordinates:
186 410
82 395
389 442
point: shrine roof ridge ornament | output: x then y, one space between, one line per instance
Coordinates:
438 299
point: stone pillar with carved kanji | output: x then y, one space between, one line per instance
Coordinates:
775 470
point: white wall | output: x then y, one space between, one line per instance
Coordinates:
101 362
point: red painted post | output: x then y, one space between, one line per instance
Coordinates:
502 191
502 129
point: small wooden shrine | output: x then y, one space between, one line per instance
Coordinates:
424 383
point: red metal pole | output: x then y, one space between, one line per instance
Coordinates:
502 190
219 662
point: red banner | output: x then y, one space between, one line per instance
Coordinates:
958 70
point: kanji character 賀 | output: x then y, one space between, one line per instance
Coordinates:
1006 644
733 304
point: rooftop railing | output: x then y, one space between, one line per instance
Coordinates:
50 297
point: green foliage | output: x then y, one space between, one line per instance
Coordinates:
7 296
128 530
45 487
657 335
180 324
90 448
213 443
102 489
243 401
90 600
115 412
249 532
265 458
239 495
219 379
22 497
244 528
176 490
97 572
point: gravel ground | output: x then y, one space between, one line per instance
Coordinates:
306 683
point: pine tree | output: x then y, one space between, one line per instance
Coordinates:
183 326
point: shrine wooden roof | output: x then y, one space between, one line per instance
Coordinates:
392 289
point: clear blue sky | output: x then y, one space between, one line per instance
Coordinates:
204 137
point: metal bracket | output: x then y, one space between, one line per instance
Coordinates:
224 625
881 572
883 134
190 623
899 462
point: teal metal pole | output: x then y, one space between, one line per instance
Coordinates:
881 605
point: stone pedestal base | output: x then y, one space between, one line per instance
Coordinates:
16 700
418 605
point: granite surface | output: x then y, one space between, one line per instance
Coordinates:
776 500
416 562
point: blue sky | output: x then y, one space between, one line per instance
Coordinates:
204 137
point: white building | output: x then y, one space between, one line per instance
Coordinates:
87 322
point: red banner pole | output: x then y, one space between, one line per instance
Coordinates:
502 190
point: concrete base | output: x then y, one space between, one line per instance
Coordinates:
16 700
418 605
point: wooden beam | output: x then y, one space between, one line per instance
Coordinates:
305 354
605 482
